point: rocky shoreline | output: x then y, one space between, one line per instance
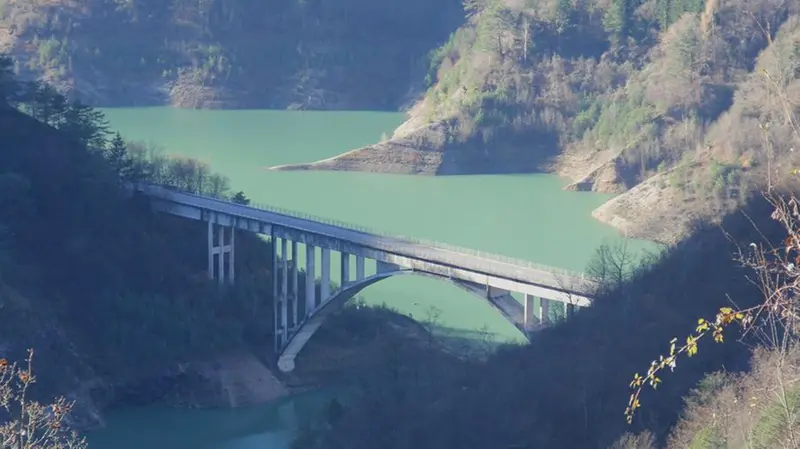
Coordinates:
646 211
232 380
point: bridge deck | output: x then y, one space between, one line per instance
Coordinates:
486 263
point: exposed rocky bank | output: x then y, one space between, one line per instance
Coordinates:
645 211
352 343
232 380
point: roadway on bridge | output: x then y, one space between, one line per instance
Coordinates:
399 246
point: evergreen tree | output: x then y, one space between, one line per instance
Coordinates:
8 85
118 158
617 20
240 198
86 124
44 103
565 12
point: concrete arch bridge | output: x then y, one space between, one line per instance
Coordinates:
490 277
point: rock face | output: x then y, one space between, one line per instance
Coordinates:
231 380
654 211
420 151
436 149
241 380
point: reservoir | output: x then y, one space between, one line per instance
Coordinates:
523 216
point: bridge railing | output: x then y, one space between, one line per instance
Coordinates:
568 274
420 241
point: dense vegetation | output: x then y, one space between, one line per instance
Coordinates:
613 93
243 53
698 98
608 92
107 291
568 389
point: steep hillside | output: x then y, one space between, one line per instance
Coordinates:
750 147
351 54
569 387
112 297
608 94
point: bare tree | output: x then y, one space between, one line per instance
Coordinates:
775 270
30 424
432 316
611 265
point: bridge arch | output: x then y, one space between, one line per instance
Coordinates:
309 327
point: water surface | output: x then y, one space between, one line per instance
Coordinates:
525 216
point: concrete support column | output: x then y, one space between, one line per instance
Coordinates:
359 268
210 247
311 274
221 257
325 281
544 311
345 278
275 299
220 249
530 321
284 290
295 285
231 257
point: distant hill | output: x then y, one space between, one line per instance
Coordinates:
347 54
662 99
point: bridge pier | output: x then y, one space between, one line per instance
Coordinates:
325 276
276 311
345 278
544 311
284 298
537 312
529 312
221 250
294 291
311 274
359 268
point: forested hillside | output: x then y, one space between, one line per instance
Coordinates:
568 389
686 94
114 298
352 54
111 296
675 99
